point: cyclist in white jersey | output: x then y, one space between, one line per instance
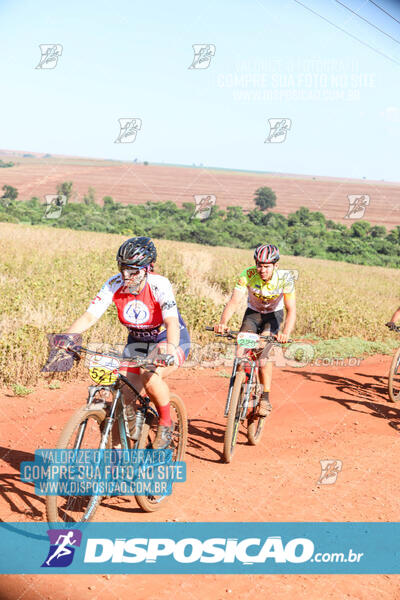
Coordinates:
146 306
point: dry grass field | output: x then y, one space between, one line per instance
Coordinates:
48 277
127 182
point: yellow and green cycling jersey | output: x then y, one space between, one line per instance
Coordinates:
266 296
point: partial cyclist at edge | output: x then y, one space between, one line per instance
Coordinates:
395 317
146 305
269 290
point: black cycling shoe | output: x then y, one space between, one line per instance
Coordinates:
163 437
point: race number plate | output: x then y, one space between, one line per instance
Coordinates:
248 340
101 369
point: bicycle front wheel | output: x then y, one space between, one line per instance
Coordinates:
178 444
232 426
82 432
394 378
255 425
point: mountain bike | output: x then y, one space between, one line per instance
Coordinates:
245 390
394 373
108 421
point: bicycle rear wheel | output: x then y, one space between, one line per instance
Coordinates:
82 432
394 378
232 426
178 444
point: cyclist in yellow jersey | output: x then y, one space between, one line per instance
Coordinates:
269 290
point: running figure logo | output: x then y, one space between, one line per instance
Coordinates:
357 206
203 54
62 547
204 204
54 206
330 470
50 54
128 130
278 129
288 278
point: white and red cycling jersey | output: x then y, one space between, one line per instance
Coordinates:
143 313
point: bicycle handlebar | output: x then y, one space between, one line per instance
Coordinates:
232 334
136 361
393 327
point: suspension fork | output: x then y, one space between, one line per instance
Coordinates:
236 363
248 387
93 389
109 421
123 424
232 381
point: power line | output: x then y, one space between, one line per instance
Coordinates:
369 22
349 34
385 11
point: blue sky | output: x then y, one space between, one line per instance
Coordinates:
273 59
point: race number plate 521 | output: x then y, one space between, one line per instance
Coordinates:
101 369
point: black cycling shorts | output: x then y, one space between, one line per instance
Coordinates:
142 349
267 323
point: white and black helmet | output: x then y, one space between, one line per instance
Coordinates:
137 251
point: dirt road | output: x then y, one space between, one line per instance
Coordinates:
318 413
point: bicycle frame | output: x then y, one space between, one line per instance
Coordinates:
123 427
115 389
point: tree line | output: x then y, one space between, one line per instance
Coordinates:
5 165
302 233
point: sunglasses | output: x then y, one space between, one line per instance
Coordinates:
129 269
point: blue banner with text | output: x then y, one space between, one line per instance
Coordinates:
223 548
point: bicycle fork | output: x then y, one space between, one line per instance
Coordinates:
248 386
232 381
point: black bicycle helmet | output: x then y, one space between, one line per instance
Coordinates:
137 251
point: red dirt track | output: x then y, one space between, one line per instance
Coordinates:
135 184
318 413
